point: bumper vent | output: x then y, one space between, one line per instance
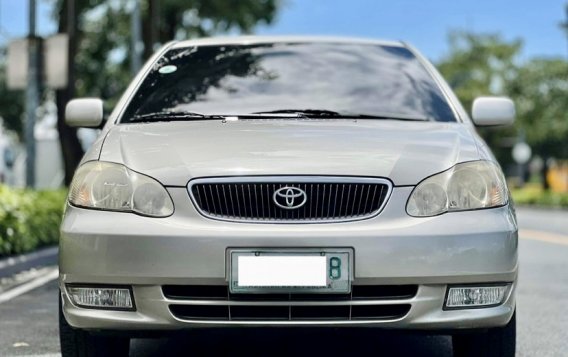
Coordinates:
290 313
289 199
221 292
361 304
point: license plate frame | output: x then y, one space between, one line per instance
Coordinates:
338 269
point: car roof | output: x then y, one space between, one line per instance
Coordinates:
249 40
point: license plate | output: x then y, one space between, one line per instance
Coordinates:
290 271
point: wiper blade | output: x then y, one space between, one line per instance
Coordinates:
304 112
388 117
173 116
324 113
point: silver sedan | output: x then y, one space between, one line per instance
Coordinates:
288 182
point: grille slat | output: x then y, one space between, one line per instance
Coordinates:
232 204
256 200
374 194
353 212
204 196
341 202
212 198
362 198
317 201
347 200
219 199
253 198
226 203
381 194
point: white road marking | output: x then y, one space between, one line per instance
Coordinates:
22 277
44 355
20 344
547 237
50 275
27 257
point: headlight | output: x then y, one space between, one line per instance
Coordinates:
113 187
467 186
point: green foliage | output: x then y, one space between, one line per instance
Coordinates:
481 65
29 219
197 18
534 195
101 62
540 90
487 64
104 34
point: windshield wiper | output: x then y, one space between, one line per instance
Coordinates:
324 113
173 116
304 112
299 113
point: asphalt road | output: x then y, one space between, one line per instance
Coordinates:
28 323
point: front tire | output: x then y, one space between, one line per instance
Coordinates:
80 343
498 341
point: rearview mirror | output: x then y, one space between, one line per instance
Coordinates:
493 111
84 112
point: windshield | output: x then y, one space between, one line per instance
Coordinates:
365 79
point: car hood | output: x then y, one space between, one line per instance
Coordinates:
404 152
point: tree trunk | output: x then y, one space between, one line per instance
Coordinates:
151 28
544 173
172 17
70 145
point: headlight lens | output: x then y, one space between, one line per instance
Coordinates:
113 187
467 186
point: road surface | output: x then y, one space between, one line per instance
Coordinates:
28 322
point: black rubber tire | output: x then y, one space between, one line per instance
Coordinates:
499 341
80 343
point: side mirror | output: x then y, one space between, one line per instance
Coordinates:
84 112
493 111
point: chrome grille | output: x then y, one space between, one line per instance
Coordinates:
253 198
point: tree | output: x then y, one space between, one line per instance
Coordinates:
166 20
70 145
99 45
482 64
540 90
487 64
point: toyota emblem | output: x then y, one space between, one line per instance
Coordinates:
289 197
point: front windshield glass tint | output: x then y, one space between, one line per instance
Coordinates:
242 79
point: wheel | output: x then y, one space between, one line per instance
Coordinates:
499 341
80 343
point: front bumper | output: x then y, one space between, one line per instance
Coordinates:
117 248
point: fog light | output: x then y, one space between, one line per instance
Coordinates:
475 296
101 297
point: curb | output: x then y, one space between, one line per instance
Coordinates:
14 264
